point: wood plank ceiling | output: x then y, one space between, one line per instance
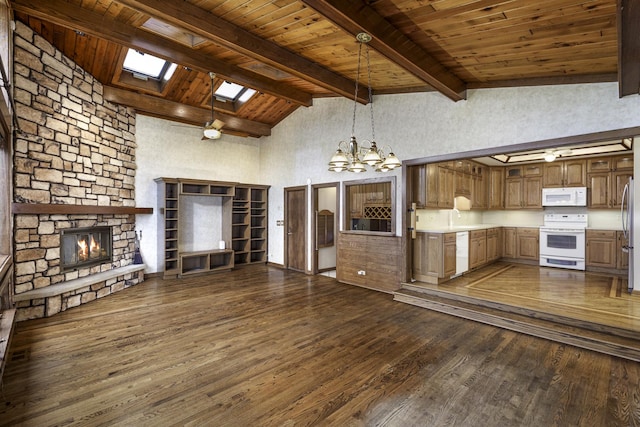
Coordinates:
292 51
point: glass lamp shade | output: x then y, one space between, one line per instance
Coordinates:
339 159
372 157
212 133
357 167
382 168
337 168
392 162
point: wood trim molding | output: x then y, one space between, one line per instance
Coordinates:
45 208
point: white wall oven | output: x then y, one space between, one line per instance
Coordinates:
562 241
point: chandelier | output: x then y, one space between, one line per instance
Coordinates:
349 156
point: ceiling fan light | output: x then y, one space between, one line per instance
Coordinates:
212 133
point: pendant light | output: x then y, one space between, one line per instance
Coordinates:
212 127
349 156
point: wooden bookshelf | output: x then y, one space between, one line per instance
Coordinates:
244 225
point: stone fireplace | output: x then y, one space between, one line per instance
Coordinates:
84 247
74 169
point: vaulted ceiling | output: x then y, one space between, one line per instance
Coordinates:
292 51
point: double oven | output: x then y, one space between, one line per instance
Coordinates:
563 241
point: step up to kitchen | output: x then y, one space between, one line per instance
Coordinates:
602 340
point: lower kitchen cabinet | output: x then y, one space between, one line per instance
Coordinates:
369 261
528 243
602 248
494 244
434 257
477 248
509 241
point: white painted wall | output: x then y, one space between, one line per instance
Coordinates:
415 125
427 124
173 150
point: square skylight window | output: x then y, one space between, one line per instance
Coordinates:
149 66
229 90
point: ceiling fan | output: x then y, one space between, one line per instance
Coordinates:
212 128
551 155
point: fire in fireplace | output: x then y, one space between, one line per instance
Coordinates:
85 247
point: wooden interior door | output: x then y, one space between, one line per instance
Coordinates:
295 214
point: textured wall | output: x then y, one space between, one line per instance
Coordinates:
426 124
173 150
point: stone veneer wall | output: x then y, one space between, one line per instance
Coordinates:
72 148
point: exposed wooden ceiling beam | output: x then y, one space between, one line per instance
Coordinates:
545 81
355 17
68 15
211 27
159 107
628 47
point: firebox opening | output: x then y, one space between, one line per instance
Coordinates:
85 247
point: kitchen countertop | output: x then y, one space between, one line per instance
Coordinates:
457 228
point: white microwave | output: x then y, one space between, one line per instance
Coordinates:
568 196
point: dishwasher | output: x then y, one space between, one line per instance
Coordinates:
462 252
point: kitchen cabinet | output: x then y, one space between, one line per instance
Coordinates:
424 185
495 190
606 178
509 241
434 257
479 187
565 173
494 244
462 186
523 187
477 248
446 183
622 258
601 248
369 261
528 243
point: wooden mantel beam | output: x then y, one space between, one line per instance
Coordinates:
356 17
69 15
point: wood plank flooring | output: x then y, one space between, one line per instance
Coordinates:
589 298
261 346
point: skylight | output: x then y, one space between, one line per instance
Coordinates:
148 66
234 92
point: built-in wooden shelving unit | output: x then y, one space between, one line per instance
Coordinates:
243 222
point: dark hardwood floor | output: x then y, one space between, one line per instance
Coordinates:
261 346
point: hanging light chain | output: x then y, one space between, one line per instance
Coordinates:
355 95
373 130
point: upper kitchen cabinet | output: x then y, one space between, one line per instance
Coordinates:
424 185
496 188
567 173
462 186
606 178
523 187
479 187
